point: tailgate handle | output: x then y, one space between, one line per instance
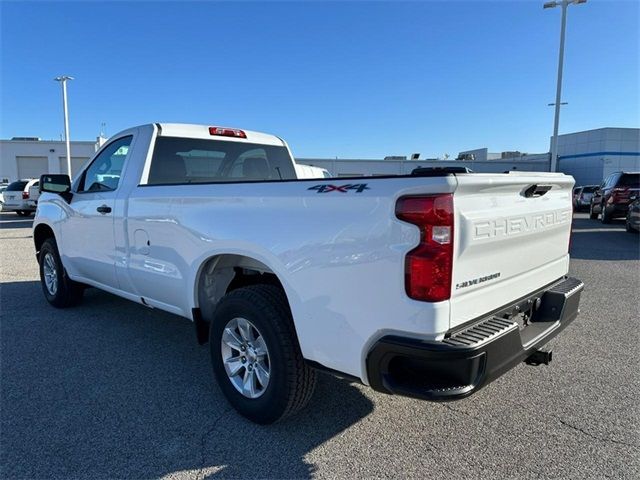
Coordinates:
536 190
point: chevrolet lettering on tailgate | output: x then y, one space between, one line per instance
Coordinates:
517 225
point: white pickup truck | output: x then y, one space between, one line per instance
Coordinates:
428 285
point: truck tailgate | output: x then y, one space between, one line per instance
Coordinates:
511 237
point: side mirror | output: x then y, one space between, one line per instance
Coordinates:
55 183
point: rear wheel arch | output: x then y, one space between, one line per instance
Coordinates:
221 274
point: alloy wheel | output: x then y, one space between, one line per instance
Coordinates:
245 357
50 274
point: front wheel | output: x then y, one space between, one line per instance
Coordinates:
59 290
256 357
592 215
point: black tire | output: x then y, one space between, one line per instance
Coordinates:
627 226
20 213
604 216
592 214
68 292
291 381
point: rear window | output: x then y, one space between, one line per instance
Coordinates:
191 160
629 180
16 186
589 189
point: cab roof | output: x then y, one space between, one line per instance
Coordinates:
189 130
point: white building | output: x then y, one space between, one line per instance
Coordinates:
589 156
356 167
593 154
31 157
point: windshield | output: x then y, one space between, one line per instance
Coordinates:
589 189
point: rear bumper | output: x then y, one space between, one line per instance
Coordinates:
617 209
19 207
468 359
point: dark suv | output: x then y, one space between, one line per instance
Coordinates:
611 199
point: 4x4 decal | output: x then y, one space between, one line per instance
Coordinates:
358 187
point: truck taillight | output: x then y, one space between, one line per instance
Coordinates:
227 132
25 195
428 266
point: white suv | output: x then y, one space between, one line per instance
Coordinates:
21 197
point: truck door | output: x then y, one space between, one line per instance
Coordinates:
88 234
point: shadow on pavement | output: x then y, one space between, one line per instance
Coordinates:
111 389
11 220
593 240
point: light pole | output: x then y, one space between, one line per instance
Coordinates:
554 142
63 80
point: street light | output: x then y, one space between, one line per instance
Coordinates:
554 142
63 80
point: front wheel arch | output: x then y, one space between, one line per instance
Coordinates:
40 234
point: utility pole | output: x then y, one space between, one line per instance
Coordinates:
556 121
63 81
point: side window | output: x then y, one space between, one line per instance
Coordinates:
615 179
104 172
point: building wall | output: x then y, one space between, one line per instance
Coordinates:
357 167
593 154
589 156
15 153
481 154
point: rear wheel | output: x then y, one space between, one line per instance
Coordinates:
604 216
59 290
255 354
592 215
627 225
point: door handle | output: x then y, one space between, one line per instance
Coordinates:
104 209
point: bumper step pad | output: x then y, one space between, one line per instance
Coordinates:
480 333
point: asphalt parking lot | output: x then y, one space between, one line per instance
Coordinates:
111 389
